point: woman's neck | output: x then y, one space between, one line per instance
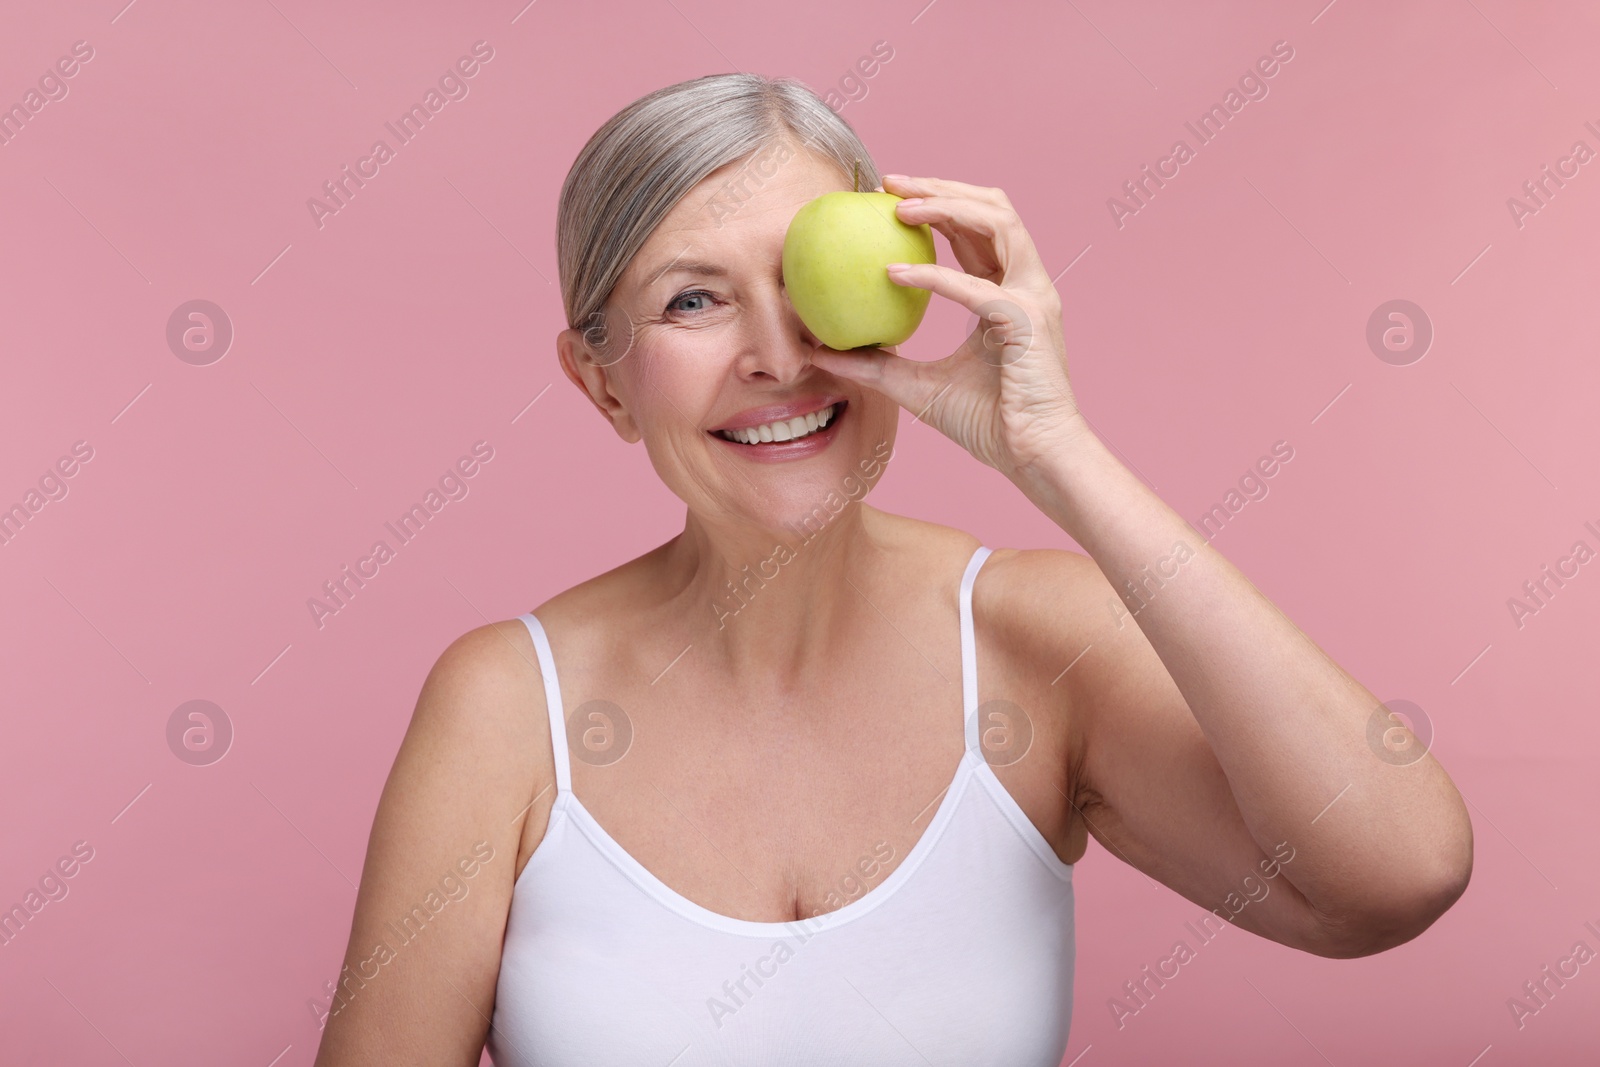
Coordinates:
773 602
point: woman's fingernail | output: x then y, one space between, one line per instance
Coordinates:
899 266
911 201
895 178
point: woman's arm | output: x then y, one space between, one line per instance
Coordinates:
419 975
1222 732
1216 736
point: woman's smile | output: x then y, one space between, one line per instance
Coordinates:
772 435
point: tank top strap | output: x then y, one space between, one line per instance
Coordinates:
969 652
552 700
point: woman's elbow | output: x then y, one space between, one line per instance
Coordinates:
1406 907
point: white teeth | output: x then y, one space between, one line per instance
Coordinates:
786 430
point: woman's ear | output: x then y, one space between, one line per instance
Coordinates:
579 363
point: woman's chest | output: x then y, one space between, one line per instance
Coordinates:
967 955
770 807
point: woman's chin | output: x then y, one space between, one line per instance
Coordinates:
813 504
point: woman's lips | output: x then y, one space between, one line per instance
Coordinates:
781 451
779 412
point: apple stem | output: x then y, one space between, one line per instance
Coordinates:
855 182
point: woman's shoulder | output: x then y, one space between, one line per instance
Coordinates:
1011 582
486 683
1025 581
1034 598
1023 596
588 614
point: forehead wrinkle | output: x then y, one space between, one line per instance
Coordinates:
660 271
778 197
705 268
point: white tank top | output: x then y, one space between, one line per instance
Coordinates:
962 954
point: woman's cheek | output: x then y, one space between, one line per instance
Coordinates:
654 367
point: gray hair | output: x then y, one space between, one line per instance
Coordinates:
648 156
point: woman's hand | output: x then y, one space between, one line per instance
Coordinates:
1003 395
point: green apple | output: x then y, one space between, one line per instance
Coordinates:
834 255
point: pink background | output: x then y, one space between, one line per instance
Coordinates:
1227 314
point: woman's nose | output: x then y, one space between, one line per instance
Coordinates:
780 345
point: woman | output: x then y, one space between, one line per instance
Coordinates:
806 783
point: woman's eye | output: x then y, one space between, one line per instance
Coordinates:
696 294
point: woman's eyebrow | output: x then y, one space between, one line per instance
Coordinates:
688 266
